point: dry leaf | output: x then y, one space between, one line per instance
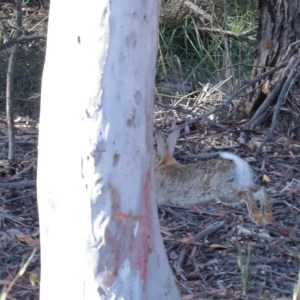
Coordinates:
266 178
217 246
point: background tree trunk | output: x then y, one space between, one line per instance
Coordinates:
279 27
10 83
99 228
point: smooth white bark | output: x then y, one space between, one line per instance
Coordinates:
99 228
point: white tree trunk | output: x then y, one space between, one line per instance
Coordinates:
99 229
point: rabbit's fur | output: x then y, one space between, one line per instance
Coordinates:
227 179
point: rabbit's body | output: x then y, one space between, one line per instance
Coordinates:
197 176
227 179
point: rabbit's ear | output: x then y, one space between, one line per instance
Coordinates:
172 139
160 144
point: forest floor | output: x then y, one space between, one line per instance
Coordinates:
215 251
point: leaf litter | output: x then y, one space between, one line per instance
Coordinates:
215 251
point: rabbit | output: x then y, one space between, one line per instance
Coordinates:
227 179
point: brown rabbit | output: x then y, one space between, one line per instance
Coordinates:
227 179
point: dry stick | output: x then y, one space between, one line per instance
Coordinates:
243 34
197 238
227 57
256 120
229 71
5 35
282 96
226 101
262 117
23 171
198 10
9 103
9 84
250 83
20 273
289 49
204 156
238 92
17 185
190 112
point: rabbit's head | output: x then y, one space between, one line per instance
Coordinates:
165 148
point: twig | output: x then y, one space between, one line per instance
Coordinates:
198 10
256 120
190 112
229 99
23 39
21 272
227 58
260 118
197 238
28 195
243 34
226 102
207 231
292 206
23 171
289 49
9 103
5 35
17 185
250 83
239 65
200 156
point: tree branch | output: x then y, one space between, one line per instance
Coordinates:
243 88
256 120
23 39
197 238
17 185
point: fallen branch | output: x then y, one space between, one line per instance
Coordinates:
197 238
18 184
248 84
256 120
244 87
243 34
198 10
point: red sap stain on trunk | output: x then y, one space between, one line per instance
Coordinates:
144 239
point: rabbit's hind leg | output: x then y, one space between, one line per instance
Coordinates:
266 208
253 210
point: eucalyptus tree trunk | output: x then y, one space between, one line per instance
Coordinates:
99 228
278 41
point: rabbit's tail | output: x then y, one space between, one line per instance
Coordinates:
244 175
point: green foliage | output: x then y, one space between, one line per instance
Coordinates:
27 77
29 60
244 267
28 71
190 50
